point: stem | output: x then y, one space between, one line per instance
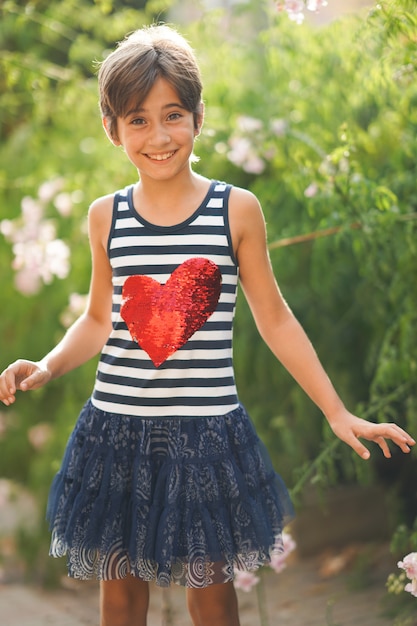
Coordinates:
311 467
326 232
329 614
261 595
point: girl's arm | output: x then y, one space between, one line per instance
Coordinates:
86 337
285 336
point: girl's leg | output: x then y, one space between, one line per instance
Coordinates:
124 602
216 604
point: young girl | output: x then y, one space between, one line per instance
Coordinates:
164 478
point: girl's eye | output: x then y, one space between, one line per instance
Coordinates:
174 116
138 121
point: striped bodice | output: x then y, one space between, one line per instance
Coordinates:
174 292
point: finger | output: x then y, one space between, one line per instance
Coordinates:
359 448
389 432
384 447
406 436
10 380
401 438
31 381
404 447
8 400
8 387
406 439
36 379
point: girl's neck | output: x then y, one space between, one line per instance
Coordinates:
167 203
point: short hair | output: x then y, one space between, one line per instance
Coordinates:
127 75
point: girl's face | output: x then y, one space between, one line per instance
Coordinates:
158 137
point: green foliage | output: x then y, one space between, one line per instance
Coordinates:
398 603
50 131
341 102
320 124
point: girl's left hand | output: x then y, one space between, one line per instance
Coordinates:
351 429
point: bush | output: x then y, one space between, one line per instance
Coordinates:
320 124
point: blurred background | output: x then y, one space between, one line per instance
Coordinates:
318 117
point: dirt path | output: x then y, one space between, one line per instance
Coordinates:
299 596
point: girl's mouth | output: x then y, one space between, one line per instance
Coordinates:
161 157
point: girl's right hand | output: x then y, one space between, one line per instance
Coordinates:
23 375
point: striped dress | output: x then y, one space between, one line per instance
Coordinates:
197 379
164 476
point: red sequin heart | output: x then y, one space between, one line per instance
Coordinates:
161 318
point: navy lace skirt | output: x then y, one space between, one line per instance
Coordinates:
169 500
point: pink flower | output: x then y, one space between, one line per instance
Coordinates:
294 5
254 165
245 580
49 189
297 17
39 435
249 124
291 6
311 190
412 587
241 150
409 565
38 254
279 127
278 562
63 203
288 543
27 282
76 306
7 228
295 8
283 548
243 154
32 210
316 5
56 260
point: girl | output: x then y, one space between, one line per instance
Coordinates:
163 477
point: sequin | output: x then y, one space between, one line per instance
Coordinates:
161 318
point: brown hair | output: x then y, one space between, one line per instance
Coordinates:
127 75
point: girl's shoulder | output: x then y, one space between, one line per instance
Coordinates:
244 205
100 215
102 205
245 218
239 194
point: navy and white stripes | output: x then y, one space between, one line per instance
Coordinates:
197 380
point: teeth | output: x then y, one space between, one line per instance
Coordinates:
160 157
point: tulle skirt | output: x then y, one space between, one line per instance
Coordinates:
170 500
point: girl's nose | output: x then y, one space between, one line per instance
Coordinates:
159 136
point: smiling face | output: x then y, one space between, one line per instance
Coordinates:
128 74
158 135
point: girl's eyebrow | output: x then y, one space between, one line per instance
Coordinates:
171 105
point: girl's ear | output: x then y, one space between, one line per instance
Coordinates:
107 128
199 119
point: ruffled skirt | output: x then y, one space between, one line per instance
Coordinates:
170 500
